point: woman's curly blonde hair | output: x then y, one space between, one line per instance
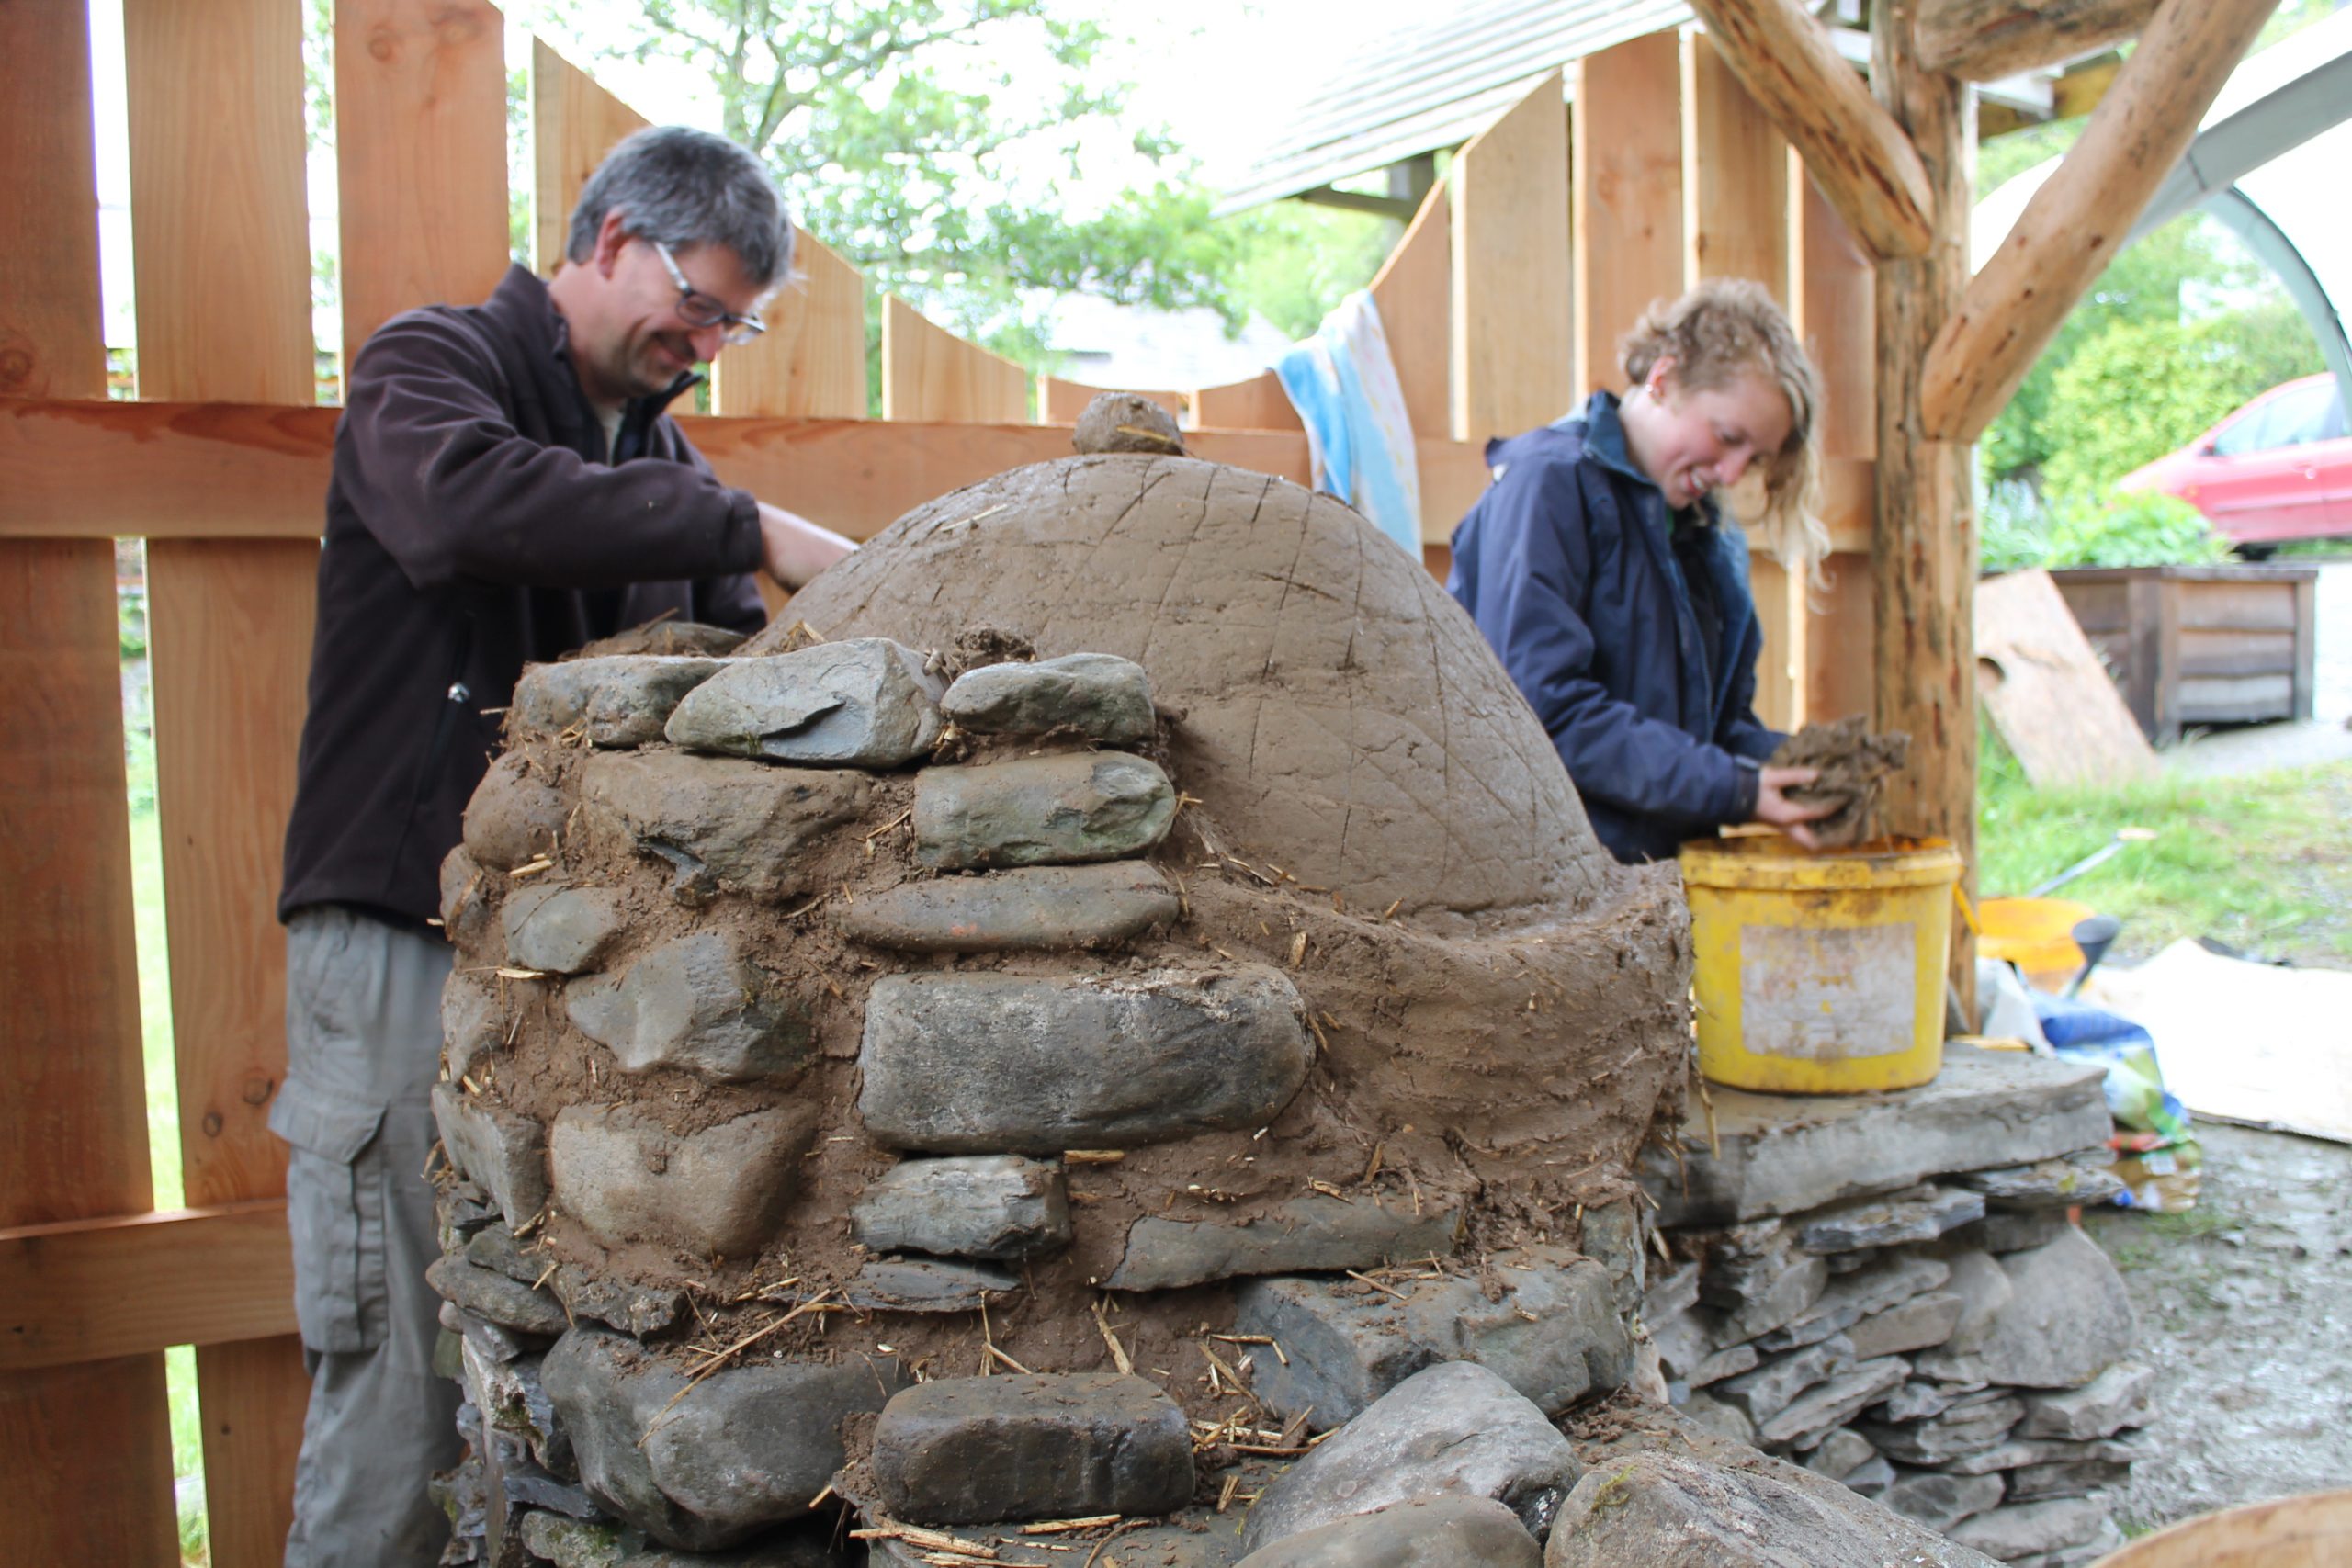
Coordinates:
1724 328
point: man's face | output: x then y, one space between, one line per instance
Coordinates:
634 343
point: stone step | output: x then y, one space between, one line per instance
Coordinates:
995 1206
1296 1235
1068 806
706 1466
620 701
721 825
1037 1445
1036 908
1098 695
994 1064
864 703
719 1192
696 1002
1552 1334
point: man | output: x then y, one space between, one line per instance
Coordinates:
506 487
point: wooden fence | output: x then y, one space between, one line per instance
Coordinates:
1502 305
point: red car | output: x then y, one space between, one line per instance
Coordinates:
2278 468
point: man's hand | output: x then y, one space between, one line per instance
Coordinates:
1774 808
793 550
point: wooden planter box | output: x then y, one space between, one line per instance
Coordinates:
2199 644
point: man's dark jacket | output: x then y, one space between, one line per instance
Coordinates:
1567 564
474 526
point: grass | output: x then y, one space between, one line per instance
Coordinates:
2262 862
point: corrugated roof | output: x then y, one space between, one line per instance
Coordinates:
1434 85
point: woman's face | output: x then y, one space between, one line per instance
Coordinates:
1691 443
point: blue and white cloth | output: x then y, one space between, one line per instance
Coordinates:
1358 438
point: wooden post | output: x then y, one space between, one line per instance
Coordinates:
1626 197
1514 367
1979 40
88 1447
1924 553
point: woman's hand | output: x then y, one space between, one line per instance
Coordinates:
1775 809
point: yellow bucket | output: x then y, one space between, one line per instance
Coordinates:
1820 973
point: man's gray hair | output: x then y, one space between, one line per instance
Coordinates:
688 188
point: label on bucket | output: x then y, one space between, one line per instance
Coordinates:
1828 993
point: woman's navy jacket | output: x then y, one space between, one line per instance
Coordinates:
1568 568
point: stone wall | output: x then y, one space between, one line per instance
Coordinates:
1887 1291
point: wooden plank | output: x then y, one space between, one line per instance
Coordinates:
1830 306
2046 693
223 259
1259 404
254 1394
1060 402
420 103
1780 668
1413 291
812 361
1734 176
87 1449
574 122
1837 641
1513 329
1627 197
1866 164
1439 559
930 374
90 1290
2238 652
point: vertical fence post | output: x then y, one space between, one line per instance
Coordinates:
1513 330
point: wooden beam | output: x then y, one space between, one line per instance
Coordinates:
1983 40
2079 219
1864 163
1626 197
90 1290
1923 562
1513 347
87 1449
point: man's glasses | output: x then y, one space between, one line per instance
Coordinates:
699 309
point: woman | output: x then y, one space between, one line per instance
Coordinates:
1598 567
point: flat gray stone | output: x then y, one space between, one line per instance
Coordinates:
1036 908
697 1003
473 1020
1553 1334
1919 1324
2121 1396
465 901
721 825
2109 1538
990 1064
1742 1262
643 1311
1666 1508
1068 806
2012 1230
2068 1318
1939 1439
1453 1429
2066 1478
515 815
1878 1284
1612 1237
1675 1290
1920 1399
1433 1532
1728 1362
1834 1402
511 1398
1839 1454
719 1192
493 1297
559 929
1703 1409
1871 1478
865 702
501 1151
2021 1529
1941 1501
1042 1446
1984 1289
1295 1235
597 1543
745 1448
1099 696
924 1284
623 700
2125 1448
2046 1184
1000 1206
1786 1153
1776 1384
1917 1213
1789 1294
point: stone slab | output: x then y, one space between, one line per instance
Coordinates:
1960 1429
968 1063
1916 1213
1098 695
721 1192
2121 1396
1772 1387
1881 1284
1941 1501
1786 1153
926 1284
503 1152
997 1206
722 826
487 1294
1033 908
864 703
514 816
561 929
1834 1402
1041 1446
1065 808
1298 1235
619 701
2021 1529
2047 1184
1919 1324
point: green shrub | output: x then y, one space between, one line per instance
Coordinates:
2133 528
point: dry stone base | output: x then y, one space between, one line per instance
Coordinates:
1041 1447
1314 1232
